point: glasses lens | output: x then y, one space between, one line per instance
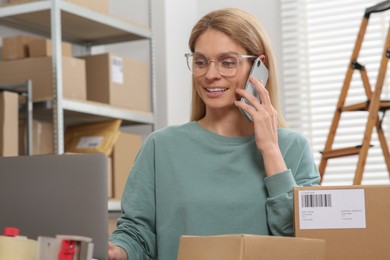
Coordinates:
228 64
197 63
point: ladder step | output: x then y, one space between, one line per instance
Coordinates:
341 152
364 106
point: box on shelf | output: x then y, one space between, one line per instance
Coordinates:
248 247
39 70
118 81
100 6
354 220
15 47
123 155
42 48
42 137
9 116
92 138
109 177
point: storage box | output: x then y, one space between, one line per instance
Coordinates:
100 6
42 137
354 220
123 155
39 70
9 116
92 138
15 47
42 48
250 247
118 81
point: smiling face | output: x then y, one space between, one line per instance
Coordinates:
217 91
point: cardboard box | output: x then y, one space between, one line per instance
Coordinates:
15 47
250 247
39 70
92 138
123 155
118 81
100 6
354 220
42 48
42 137
109 177
9 116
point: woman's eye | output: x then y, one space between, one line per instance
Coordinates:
229 62
200 62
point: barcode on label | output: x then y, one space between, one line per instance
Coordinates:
316 200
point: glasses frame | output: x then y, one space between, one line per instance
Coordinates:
239 56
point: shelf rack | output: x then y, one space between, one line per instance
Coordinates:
64 21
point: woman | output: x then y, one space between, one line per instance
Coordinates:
219 173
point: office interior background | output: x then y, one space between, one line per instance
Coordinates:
313 41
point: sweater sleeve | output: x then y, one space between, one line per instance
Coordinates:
302 171
135 231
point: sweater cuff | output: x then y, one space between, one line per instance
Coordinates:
279 183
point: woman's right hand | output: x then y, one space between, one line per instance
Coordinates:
116 252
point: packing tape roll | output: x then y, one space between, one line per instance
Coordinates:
18 248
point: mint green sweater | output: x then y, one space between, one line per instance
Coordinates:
187 180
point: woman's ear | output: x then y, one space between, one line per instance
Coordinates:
263 58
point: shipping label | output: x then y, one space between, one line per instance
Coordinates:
332 209
117 70
89 142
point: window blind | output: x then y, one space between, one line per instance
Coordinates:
318 39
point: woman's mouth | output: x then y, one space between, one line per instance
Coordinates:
215 90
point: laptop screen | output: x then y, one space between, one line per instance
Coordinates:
49 195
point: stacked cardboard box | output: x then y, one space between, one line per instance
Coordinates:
123 156
354 220
118 81
100 6
23 63
42 137
9 115
16 47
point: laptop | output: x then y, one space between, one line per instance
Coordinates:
49 195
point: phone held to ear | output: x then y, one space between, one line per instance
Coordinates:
260 72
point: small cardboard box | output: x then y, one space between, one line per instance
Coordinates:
100 6
118 81
15 47
250 247
123 155
42 137
354 220
9 116
39 70
42 48
92 138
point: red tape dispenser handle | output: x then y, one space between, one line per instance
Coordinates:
69 249
11 231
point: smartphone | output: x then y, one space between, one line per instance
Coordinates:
260 72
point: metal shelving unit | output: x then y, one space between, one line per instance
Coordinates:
63 21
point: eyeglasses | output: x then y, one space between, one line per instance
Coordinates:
227 64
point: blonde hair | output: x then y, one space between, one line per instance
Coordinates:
243 28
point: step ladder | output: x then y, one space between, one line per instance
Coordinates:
373 105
